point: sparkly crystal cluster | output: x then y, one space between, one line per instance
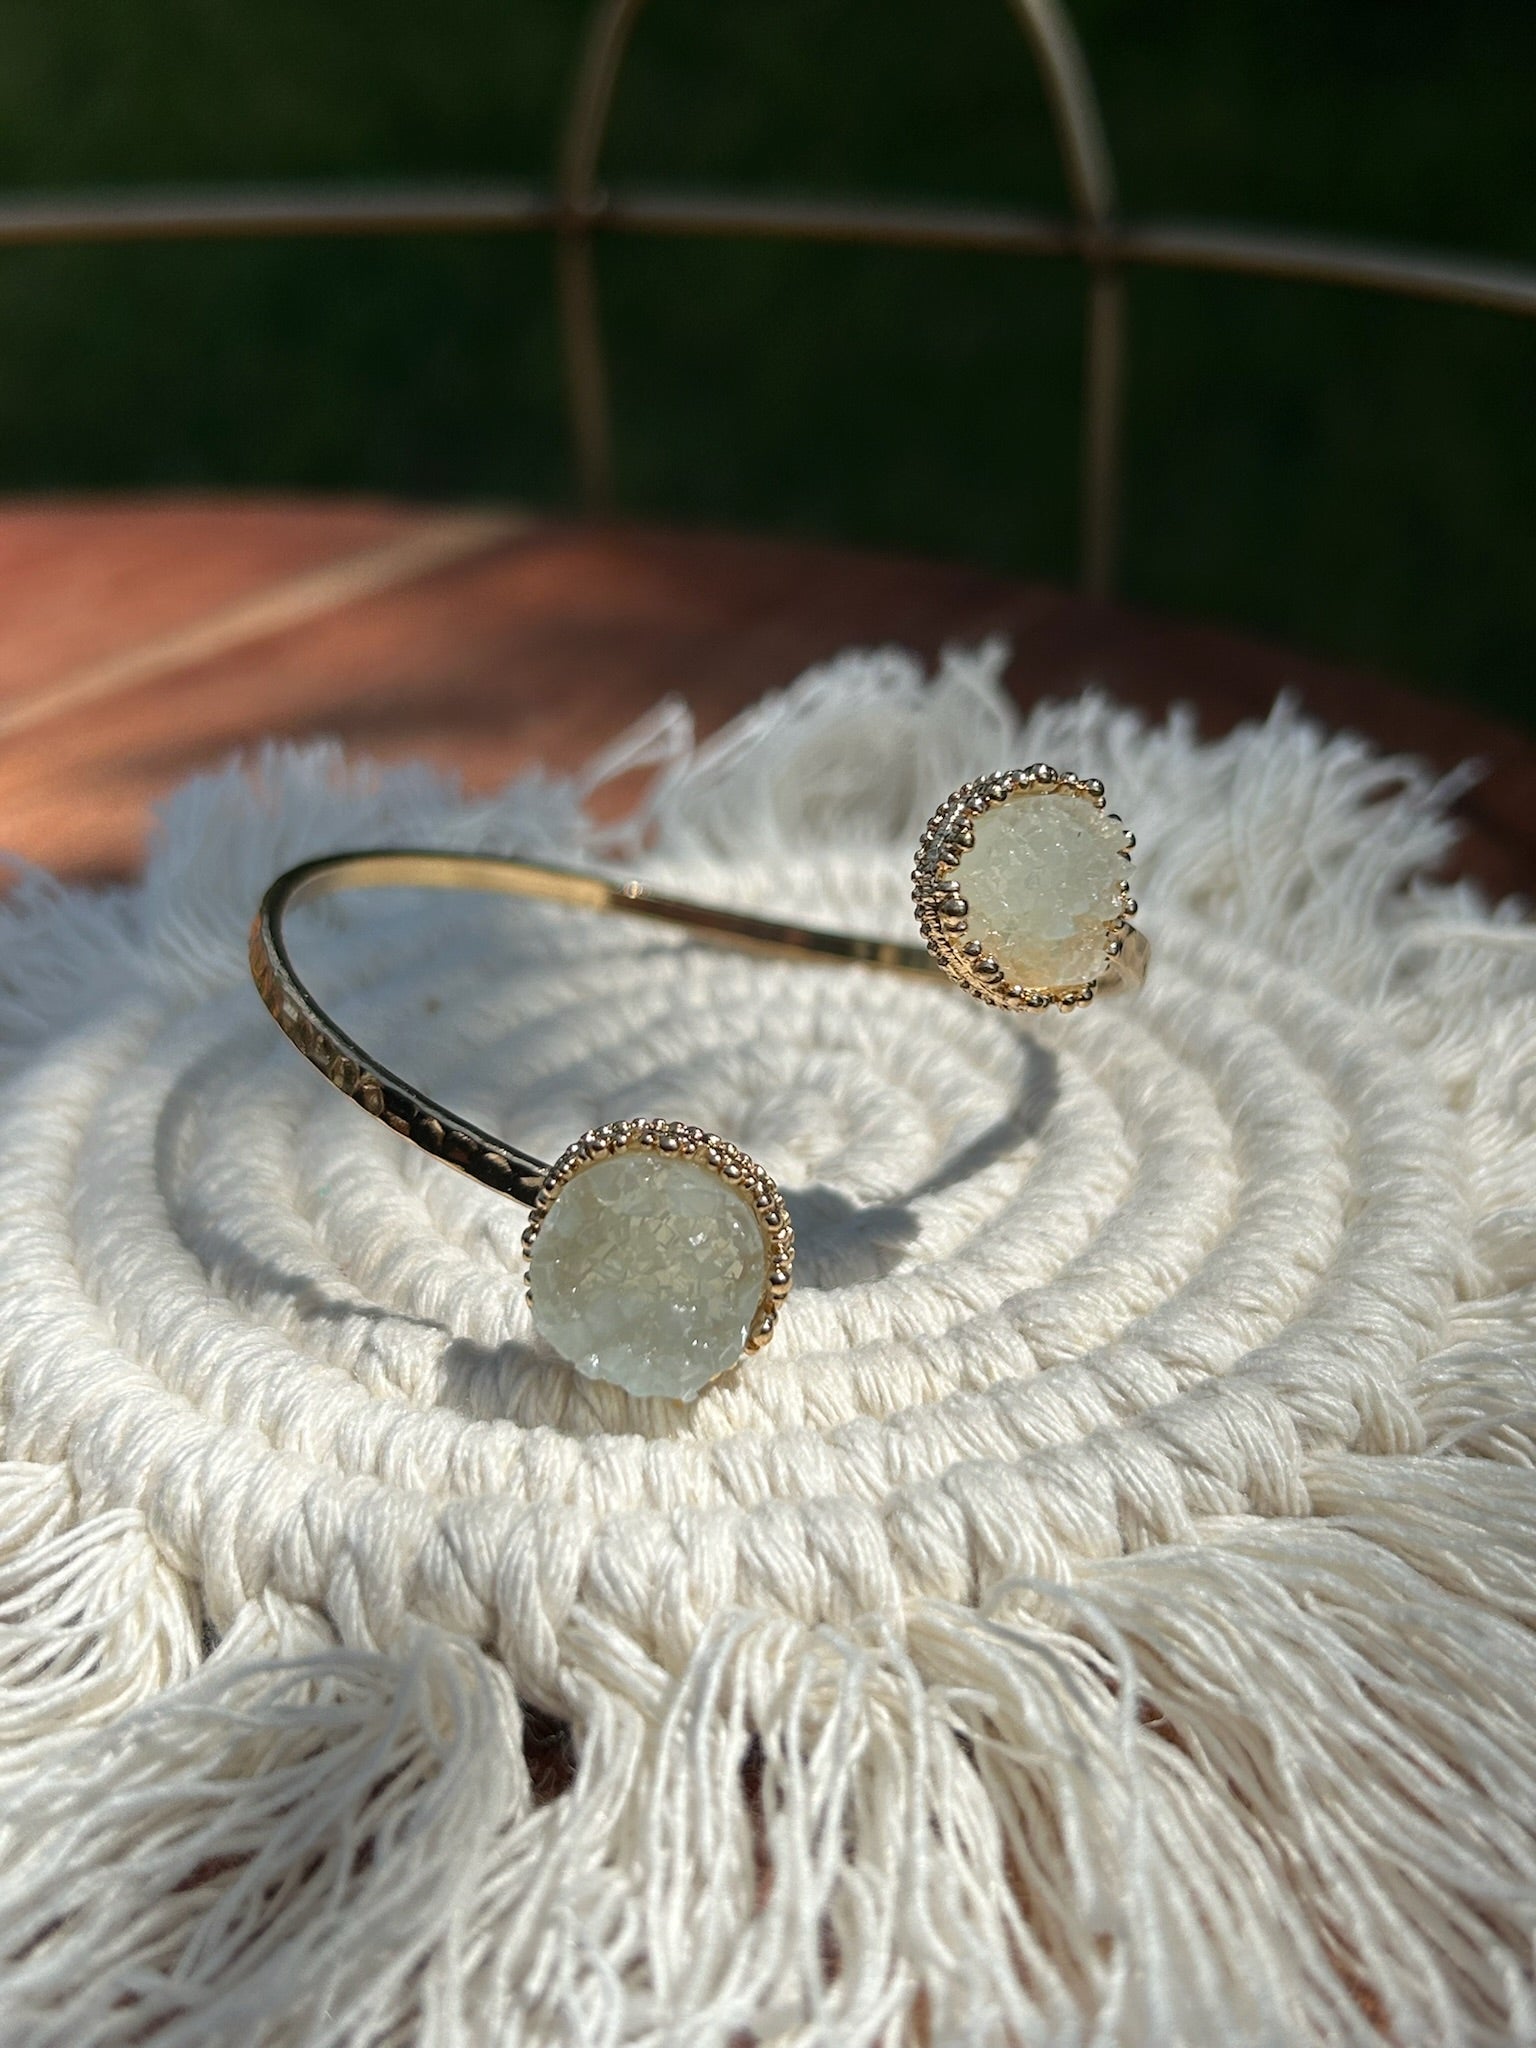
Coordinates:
1043 883
1021 887
656 1257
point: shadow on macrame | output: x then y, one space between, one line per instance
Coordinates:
843 1243
840 1243
1036 1096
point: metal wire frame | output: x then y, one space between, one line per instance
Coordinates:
581 207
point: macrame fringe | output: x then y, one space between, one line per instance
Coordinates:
92 1621
1235 1792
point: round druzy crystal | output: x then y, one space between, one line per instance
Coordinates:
648 1271
1043 885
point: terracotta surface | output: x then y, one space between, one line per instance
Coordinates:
540 643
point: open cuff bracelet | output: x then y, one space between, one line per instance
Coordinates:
658 1253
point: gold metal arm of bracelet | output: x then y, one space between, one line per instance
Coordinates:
429 1124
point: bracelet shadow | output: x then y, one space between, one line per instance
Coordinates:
843 1243
840 1242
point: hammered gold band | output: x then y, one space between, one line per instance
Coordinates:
428 1124
405 1109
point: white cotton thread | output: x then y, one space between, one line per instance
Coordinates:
1101 1615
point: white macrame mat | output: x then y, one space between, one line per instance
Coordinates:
1102 1615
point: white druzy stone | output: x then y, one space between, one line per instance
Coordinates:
1043 885
648 1271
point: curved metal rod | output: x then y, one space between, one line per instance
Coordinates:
152 213
1161 245
1089 172
581 145
1316 259
195 213
586 122
1074 105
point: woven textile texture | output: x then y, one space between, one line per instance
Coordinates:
1102 1615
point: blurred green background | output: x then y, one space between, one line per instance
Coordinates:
1352 475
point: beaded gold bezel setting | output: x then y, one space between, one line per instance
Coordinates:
691 1144
939 899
